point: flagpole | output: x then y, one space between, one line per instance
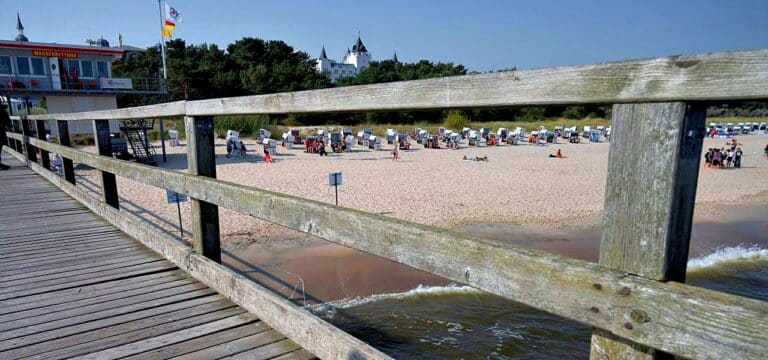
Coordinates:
162 38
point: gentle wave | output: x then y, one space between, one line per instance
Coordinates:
728 255
420 290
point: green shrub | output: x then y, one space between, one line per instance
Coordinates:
532 114
456 120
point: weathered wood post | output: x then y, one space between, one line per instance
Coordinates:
44 157
29 151
201 160
104 146
653 168
66 164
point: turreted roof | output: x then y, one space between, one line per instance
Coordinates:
359 46
20 37
322 54
394 57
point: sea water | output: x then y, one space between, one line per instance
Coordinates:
460 322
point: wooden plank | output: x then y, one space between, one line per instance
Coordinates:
675 78
64 141
45 157
68 270
59 258
481 263
651 189
149 111
127 332
107 308
172 338
267 351
234 347
26 290
201 160
84 293
75 263
104 146
649 201
80 275
33 336
203 342
61 305
95 244
300 354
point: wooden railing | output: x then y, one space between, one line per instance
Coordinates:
635 297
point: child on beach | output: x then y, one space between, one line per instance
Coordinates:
558 155
267 157
395 152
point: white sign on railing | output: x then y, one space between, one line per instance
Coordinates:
116 83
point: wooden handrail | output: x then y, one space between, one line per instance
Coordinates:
677 318
739 75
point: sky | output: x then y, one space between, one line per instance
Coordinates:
482 34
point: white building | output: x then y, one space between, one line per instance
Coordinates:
355 61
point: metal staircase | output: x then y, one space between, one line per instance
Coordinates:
135 131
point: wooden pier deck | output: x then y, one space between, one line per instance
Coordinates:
75 286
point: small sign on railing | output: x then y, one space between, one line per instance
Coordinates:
174 197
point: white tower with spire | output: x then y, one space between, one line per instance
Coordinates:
356 60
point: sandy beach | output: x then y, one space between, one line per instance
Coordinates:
520 186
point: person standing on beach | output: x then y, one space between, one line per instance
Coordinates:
5 124
737 158
395 152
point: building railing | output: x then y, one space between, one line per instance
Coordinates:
635 297
16 85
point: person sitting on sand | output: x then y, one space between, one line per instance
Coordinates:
475 158
558 155
267 157
708 158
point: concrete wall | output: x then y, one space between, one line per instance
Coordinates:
69 104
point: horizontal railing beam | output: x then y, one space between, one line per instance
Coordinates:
727 76
677 318
170 109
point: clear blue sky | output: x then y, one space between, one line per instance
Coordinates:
481 34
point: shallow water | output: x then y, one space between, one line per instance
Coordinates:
439 320
460 322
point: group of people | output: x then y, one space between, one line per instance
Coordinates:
720 158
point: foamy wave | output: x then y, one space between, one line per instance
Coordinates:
729 254
420 290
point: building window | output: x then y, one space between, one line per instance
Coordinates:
102 69
37 66
22 66
5 65
87 68
73 68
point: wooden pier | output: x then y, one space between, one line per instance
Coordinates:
635 298
73 285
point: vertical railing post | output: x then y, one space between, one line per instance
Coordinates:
104 146
45 160
29 151
17 130
653 170
66 164
201 161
